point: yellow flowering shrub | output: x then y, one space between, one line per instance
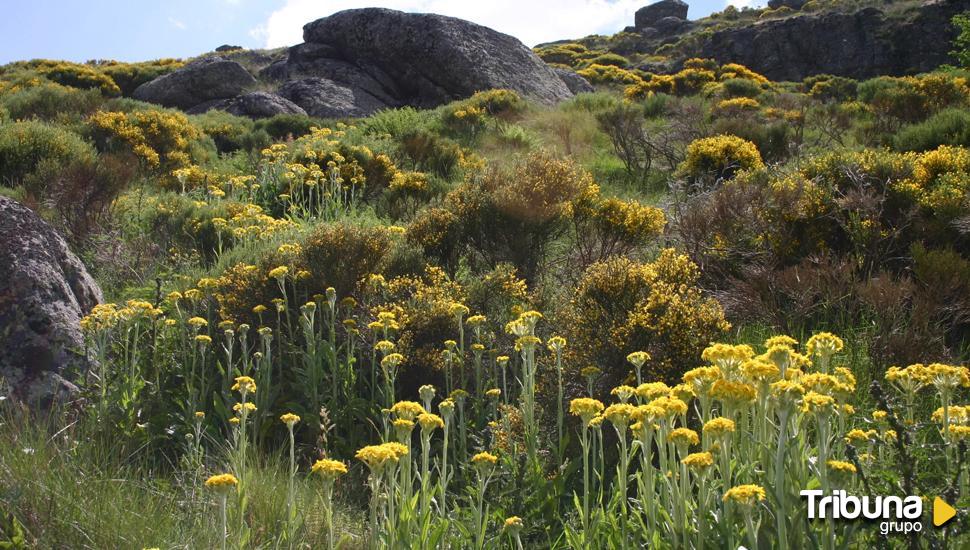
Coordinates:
621 306
509 215
609 74
736 106
570 54
609 226
718 158
75 75
736 70
161 139
693 78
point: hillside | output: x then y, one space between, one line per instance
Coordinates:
788 41
412 284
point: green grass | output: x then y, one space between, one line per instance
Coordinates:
71 489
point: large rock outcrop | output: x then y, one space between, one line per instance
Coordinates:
649 16
325 98
203 80
861 44
252 105
372 58
44 292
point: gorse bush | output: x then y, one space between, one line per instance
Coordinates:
609 74
570 55
74 74
696 76
507 216
718 158
613 59
654 307
161 140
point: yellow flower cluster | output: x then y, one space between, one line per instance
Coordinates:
328 468
377 457
745 495
585 408
222 482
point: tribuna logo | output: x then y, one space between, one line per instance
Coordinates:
907 511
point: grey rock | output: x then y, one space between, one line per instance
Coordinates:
576 83
860 44
648 16
670 25
425 60
228 48
325 98
200 81
374 82
252 105
658 67
44 292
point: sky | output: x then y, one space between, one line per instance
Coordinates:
138 30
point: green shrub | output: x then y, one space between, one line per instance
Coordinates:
771 138
23 145
740 87
394 122
431 152
828 87
511 215
281 127
229 132
961 44
50 100
911 98
949 127
517 136
592 103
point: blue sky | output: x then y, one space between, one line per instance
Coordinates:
133 30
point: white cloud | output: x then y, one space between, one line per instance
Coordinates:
177 24
746 3
532 22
